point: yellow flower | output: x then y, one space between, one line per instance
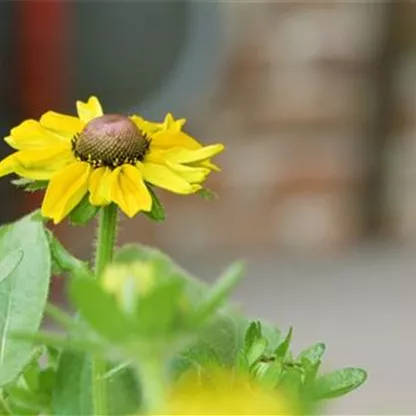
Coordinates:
128 281
111 157
221 392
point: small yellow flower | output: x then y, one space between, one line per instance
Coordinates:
221 392
128 280
111 157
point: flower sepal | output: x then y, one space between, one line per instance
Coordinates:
207 194
83 213
30 185
157 213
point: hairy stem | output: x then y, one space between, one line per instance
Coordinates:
106 239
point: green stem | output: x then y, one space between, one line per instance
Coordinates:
152 378
107 230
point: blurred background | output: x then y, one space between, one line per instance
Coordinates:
316 103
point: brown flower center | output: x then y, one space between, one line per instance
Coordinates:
110 140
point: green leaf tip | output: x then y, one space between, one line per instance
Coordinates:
283 348
339 382
221 290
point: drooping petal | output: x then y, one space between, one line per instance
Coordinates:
31 135
181 155
190 174
166 178
89 110
8 165
157 156
65 191
70 125
209 165
37 164
167 140
100 182
129 191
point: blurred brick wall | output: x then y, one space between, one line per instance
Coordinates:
296 107
401 154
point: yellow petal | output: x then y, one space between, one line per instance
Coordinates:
165 178
37 164
62 123
173 125
31 135
167 140
128 190
100 186
157 156
89 110
65 191
8 165
181 155
190 174
138 120
146 127
209 165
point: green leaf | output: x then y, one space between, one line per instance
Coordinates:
292 379
64 261
310 373
124 397
252 334
339 383
52 356
218 340
72 393
9 263
256 350
221 336
30 185
131 253
256 330
157 213
167 298
207 194
74 326
283 348
24 292
52 339
313 354
4 406
83 213
31 371
221 290
23 398
273 336
103 314
47 379
26 392
269 373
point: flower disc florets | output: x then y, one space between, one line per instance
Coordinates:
110 140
